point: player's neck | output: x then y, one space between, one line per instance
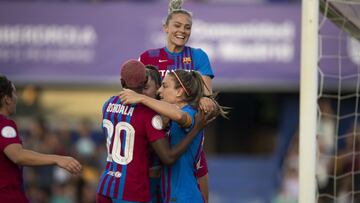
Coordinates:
174 48
181 104
4 112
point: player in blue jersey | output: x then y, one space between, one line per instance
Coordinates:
180 94
130 131
176 55
150 89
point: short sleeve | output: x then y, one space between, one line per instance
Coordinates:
8 134
202 63
147 57
142 57
191 113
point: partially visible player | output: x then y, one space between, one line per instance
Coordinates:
130 131
12 154
152 85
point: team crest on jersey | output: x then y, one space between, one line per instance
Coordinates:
186 60
157 123
8 132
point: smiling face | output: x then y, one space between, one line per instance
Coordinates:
178 30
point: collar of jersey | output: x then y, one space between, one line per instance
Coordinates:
173 53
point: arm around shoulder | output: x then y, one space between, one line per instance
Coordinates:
169 155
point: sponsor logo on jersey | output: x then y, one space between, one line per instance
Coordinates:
162 61
116 174
8 132
170 69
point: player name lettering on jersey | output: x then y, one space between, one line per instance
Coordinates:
119 108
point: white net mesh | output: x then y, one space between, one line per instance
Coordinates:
338 138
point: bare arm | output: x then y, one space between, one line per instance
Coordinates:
17 154
170 155
166 109
206 104
208 85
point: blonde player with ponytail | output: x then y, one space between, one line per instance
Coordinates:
176 55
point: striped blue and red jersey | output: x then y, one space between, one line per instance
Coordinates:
178 181
129 130
192 59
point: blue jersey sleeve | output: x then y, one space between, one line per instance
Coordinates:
189 110
202 63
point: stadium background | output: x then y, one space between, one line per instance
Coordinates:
63 79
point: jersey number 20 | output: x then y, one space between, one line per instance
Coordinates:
115 152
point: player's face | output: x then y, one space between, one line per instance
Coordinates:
150 88
167 91
178 30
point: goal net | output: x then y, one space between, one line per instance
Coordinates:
338 129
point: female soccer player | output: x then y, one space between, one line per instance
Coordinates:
176 55
12 154
150 90
130 131
180 94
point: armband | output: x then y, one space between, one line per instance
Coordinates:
188 121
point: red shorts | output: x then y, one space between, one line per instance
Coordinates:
202 168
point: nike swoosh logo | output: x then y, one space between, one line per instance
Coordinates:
161 61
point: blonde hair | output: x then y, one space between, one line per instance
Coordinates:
175 7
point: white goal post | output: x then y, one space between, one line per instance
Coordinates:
308 98
330 72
